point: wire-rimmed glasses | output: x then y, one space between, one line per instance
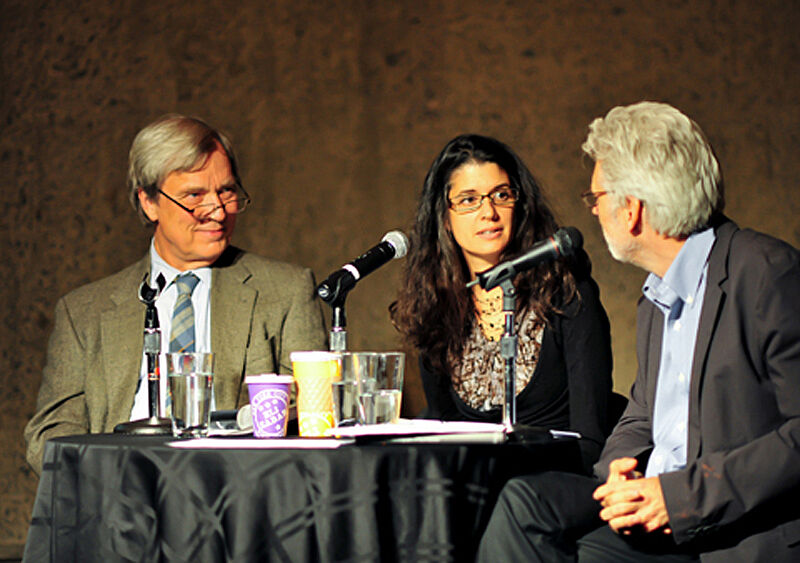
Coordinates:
233 199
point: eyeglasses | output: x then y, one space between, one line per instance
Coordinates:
590 198
234 200
504 196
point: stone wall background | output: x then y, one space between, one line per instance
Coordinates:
337 109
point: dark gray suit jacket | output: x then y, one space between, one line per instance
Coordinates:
738 499
261 310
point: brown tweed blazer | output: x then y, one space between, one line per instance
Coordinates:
261 310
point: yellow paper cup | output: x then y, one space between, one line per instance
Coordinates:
314 372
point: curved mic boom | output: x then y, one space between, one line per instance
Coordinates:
393 245
564 242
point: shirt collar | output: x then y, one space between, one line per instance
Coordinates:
684 276
159 266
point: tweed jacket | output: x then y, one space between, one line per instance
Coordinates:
261 310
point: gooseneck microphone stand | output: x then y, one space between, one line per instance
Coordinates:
564 242
154 425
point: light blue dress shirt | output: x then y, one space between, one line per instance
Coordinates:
679 296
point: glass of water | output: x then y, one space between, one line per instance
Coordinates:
189 384
345 389
380 388
358 371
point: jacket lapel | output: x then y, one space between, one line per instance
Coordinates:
655 339
712 304
121 345
232 303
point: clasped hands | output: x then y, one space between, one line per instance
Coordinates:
630 500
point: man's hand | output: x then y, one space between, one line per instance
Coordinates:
622 469
631 501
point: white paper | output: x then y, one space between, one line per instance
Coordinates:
417 427
260 443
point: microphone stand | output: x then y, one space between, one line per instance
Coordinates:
514 432
508 351
335 288
154 425
334 291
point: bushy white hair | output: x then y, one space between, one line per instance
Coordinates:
653 152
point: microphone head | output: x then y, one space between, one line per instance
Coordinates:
568 240
147 294
399 242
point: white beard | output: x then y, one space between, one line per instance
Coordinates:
620 252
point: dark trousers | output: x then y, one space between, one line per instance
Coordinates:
552 517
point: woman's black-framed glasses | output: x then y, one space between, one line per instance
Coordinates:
233 200
503 196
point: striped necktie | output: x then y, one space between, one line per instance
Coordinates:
181 337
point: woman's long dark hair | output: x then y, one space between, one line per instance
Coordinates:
434 309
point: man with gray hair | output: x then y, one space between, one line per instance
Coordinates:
704 463
251 312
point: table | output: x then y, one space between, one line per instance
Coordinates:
130 498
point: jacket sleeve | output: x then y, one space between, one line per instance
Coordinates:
303 326
437 394
61 406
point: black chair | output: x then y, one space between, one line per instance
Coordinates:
616 406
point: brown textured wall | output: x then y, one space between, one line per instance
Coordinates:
337 109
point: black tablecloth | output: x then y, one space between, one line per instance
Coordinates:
124 498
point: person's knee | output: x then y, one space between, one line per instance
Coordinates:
526 502
528 521
520 497
517 492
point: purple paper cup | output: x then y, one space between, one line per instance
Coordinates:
269 403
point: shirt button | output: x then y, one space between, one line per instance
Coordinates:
681 378
690 299
677 326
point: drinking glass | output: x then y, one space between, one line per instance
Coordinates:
380 387
189 383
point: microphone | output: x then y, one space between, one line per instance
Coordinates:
394 244
563 243
148 296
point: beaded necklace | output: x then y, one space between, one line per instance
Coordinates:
489 311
